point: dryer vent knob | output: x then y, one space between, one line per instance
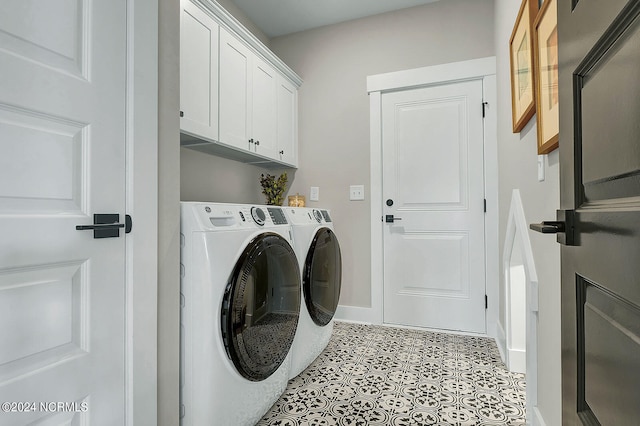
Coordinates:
258 215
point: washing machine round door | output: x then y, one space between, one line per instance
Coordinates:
322 277
261 306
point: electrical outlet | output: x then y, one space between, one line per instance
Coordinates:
356 192
314 193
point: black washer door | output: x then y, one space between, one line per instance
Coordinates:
322 276
261 306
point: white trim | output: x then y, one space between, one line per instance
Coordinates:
478 69
491 228
537 419
356 314
517 223
142 205
517 360
375 170
501 342
213 9
436 74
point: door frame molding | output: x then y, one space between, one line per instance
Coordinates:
483 69
141 245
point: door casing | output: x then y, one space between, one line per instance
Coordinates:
477 69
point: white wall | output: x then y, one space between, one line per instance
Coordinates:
517 156
334 62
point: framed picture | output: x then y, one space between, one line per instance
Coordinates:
546 66
522 62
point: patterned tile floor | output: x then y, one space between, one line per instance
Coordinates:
373 375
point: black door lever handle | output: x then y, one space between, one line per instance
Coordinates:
107 226
390 219
548 227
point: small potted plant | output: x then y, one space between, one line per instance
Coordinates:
273 188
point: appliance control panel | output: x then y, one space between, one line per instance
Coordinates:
277 216
325 215
317 215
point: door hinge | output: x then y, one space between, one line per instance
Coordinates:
485 205
484 105
182 113
486 302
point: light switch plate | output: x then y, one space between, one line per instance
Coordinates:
541 167
356 192
314 193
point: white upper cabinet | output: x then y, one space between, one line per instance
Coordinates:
237 99
287 111
235 91
198 72
263 101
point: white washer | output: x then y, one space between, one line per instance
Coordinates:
320 262
240 288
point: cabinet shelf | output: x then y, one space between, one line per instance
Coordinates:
230 152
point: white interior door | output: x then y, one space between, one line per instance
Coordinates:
62 158
433 174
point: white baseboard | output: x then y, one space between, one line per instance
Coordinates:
517 361
537 418
514 359
357 314
501 342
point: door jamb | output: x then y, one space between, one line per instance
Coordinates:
141 258
476 69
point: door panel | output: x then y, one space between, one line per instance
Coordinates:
433 174
287 120
199 35
264 104
599 56
235 83
62 159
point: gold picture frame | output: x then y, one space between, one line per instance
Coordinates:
522 63
546 66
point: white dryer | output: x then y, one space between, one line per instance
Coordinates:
240 302
320 260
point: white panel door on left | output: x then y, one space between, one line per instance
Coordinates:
62 159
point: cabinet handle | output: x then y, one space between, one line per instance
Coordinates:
250 140
257 142
282 152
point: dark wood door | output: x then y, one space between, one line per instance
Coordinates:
599 63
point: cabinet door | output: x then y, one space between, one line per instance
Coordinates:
235 62
287 122
264 106
198 72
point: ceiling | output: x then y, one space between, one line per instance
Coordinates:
281 17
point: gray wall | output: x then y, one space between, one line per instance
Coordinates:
208 178
334 62
168 213
517 156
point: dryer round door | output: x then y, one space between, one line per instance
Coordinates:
322 277
261 306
